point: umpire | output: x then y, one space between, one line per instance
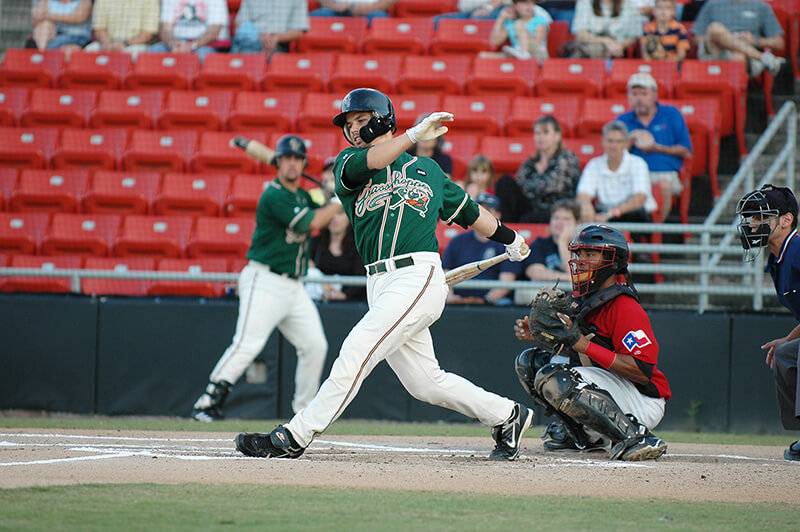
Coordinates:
768 218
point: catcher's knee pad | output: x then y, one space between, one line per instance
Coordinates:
524 365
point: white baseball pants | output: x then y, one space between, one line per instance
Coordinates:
648 410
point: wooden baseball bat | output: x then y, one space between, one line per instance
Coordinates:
258 151
471 269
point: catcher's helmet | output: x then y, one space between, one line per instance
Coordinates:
587 277
756 209
290 145
378 103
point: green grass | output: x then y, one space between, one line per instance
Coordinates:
254 507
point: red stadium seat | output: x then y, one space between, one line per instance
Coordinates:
80 234
97 149
191 194
137 109
557 36
478 115
423 8
703 119
317 111
461 36
445 233
59 108
572 77
507 153
274 111
233 6
319 146
440 74
332 34
409 107
163 71
117 287
236 265
507 77
531 232
462 148
216 155
300 73
664 72
378 71
597 113
245 192
160 151
96 71
586 149
49 190
195 110
525 111
231 72
788 14
4 259
40 284
13 101
31 68
221 237
27 147
22 232
161 236
410 36
8 182
121 192
190 288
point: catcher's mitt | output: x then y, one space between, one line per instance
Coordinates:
545 326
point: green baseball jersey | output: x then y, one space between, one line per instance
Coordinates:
394 210
280 239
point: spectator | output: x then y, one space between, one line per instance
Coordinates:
563 10
334 253
475 9
739 30
267 26
192 26
664 37
658 134
480 176
550 255
433 149
550 175
472 246
124 26
323 194
64 24
604 28
524 28
354 8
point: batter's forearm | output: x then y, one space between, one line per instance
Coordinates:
383 154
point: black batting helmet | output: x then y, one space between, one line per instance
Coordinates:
290 145
382 121
587 278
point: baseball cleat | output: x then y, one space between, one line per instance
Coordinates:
649 447
507 435
207 415
277 444
793 452
556 439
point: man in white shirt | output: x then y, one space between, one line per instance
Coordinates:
192 26
267 26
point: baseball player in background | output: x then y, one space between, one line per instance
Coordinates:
270 294
394 201
768 219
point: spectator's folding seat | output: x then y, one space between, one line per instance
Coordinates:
299 73
4 259
572 77
586 148
378 71
163 71
191 194
531 232
31 68
98 149
507 153
233 6
80 234
27 147
274 111
319 146
508 77
788 14
13 101
231 72
158 236
221 237
664 72
423 8
558 34
97 71
192 267
160 151
8 181
246 190
317 111
59 108
445 233
332 34
597 113
40 284
137 109
117 287
461 148
703 119
461 36
22 232
49 190
216 155
525 111
121 192
410 36
477 115
195 110
440 74
409 107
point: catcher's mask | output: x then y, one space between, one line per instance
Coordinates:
587 276
290 145
756 210
376 102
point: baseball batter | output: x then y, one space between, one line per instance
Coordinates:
394 201
270 294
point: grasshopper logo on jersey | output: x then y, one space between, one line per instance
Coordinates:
293 237
401 191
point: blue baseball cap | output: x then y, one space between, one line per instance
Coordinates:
488 200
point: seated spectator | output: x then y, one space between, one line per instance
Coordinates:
354 8
604 28
333 252
64 24
740 30
524 28
562 10
549 258
124 26
323 194
658 134
664 37
192 26
433 149
268 26
471 246
550 175
475 9
480 176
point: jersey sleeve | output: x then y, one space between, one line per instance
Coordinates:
632 333
457 206
350 170
288 212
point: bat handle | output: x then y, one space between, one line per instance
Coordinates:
239 142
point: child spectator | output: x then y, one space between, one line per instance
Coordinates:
524 27
549 258
480 176
664 37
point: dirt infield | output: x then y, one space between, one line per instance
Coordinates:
42 457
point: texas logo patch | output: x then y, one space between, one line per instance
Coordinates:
635 340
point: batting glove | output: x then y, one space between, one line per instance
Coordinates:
518 250
430 127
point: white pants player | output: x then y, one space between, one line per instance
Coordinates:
403 303
268 300
648 410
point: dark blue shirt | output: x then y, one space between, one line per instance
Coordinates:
545 251
785 272
467 248
668 129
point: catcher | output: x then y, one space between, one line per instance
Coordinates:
594 364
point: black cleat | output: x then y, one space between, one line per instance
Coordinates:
649 447
277 444
207 415
793 452
507 435
556 438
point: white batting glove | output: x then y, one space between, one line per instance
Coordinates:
430 127
518 250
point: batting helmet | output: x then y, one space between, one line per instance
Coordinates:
290 145
587 277
382 121
755 211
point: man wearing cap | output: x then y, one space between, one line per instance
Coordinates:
658 134
768 219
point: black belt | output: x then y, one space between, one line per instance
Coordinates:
380 267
